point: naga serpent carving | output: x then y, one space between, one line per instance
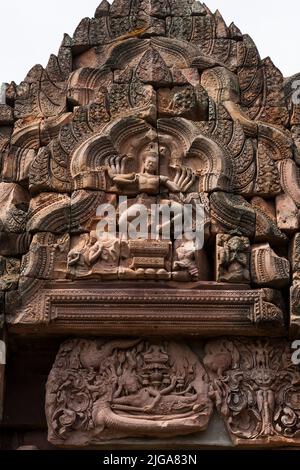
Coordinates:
103 390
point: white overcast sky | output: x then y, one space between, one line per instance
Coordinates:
31 30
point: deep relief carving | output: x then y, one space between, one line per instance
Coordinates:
16 163
145 259
185 101
287 204
233 259
189 263
148 181
14 202
99 390
256 390
47 257
84 205
14 244
49 212
9 273
267 268
232 214
92 257
267 179
294 255
161 102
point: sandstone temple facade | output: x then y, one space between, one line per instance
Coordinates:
112 341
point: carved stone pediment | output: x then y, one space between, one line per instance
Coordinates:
153 112
165 105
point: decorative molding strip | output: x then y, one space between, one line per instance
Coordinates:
90 309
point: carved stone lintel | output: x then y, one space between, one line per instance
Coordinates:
121 308
125 388
154 106
256 389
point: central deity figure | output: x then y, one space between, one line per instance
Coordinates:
148 181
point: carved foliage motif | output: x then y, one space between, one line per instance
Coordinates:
99 390
172 102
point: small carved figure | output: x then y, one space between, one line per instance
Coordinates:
186 260
93 255
256 389
233 259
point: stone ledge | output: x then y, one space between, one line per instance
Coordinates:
93 309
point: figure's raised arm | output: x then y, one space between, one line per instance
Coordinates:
183 181
116 165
